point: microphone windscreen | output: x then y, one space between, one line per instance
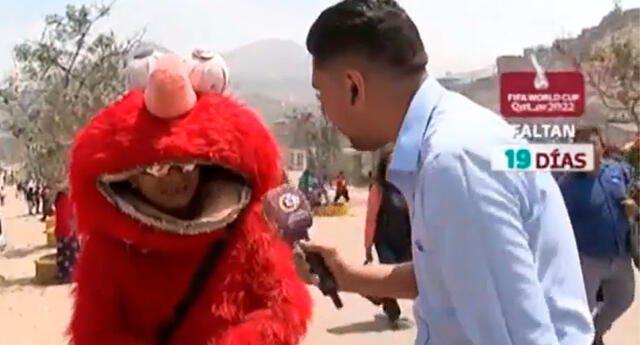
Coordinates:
289 211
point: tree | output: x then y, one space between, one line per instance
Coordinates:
319 137
612 70
59 82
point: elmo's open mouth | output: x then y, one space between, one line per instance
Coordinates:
219 198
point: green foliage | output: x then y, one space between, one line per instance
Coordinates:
60 81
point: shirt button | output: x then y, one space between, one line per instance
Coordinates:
419 246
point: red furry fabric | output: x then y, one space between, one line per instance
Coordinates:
130 277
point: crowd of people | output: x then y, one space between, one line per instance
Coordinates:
38 197
44 202
316 186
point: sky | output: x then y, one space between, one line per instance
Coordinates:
460 35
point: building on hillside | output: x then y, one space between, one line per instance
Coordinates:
294 154
295 159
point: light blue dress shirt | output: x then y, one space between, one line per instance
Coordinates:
494 253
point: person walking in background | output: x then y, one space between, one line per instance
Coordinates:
342 191
597 205
319 190
19 190
2 194
38 199
66 237
304 182
30 196
47 202
388 228
309 185
3 241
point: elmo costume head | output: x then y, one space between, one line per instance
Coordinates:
172 120
166 181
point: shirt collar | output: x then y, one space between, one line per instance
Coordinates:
409 141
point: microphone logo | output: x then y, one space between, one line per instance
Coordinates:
289 202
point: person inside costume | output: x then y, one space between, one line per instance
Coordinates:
167 183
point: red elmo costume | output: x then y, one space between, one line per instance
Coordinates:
135 266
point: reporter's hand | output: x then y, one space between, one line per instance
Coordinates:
303 270
339 268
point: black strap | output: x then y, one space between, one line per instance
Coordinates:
198 282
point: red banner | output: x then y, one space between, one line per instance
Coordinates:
563 97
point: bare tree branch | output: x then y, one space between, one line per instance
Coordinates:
63 79
634 112
611 71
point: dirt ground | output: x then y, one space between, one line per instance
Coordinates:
36 315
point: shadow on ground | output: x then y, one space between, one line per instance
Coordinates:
25 215
19 253
20 283
380 323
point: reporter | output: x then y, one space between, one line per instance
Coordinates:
494 257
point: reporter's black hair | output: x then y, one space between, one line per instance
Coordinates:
378 30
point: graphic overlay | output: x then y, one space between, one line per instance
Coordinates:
545 132
561 96
543 157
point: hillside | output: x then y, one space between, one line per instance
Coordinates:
273 76
275 68
485 90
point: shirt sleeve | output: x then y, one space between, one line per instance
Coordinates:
615 183
488 268
373 206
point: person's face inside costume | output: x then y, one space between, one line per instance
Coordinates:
169 188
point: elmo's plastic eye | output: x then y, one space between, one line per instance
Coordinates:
140 68
209 72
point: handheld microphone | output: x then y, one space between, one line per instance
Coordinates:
288 210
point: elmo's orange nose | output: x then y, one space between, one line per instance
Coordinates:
169 92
